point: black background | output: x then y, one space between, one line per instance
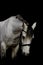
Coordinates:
31 15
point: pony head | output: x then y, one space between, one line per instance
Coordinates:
26 38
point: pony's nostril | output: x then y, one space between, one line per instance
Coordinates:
23 53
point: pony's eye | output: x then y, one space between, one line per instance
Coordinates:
23 37
16 16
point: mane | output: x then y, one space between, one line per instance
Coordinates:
22 19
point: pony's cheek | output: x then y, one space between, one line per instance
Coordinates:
26 50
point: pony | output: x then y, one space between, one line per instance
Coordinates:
12 30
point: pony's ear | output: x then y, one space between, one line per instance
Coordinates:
34 25
25 26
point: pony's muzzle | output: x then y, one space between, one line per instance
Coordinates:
26 50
